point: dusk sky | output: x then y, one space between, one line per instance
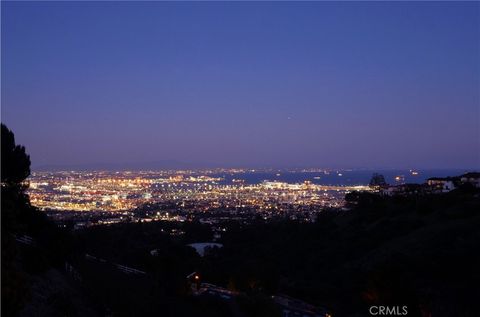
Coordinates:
254 84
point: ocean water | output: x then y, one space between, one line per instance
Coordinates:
340 177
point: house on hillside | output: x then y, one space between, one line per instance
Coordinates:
471 178
404 190
434 185
443 184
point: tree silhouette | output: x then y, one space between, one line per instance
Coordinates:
15 161
378 181
19 217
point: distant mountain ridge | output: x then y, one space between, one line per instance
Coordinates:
154 165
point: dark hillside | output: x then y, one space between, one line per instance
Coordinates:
415 251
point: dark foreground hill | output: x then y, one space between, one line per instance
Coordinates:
417 251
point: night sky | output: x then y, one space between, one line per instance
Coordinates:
255 84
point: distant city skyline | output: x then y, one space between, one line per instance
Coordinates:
256 84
